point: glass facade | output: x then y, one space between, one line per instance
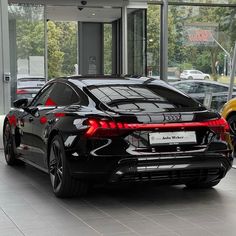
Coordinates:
27 49
201 37
200 45
203 1
107 28
62 50
136 41
153 40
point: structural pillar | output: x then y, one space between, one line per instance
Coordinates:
5 95
164 41
124 40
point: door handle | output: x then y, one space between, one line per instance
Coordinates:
31 119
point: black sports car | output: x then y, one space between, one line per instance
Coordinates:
85 130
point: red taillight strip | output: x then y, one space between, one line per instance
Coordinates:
96 125
21 91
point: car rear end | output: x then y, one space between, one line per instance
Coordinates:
147 132
28 87
31 82
184 75
27 92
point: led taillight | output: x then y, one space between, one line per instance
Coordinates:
21 91
112 128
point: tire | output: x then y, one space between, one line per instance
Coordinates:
190 77
232 124
9 145
206 185
206 77
63 184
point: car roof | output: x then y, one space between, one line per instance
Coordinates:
200 81
99 80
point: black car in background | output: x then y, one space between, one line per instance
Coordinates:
29 86
85 130
198 89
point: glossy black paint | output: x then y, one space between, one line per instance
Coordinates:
126 157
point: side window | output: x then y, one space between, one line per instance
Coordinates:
185 87
218 88
201 88
43 96
193 88
62 95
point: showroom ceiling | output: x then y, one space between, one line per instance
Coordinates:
89 3
84 14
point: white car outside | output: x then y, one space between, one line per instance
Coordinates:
194 74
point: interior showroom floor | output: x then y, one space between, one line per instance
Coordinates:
28 207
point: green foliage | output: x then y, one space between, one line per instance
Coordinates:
107 49
153 37
29 38
55 55
185 66
68 45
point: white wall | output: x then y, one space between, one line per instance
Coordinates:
1 130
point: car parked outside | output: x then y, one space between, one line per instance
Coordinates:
194 74
28 87
198 90
27 92
88 130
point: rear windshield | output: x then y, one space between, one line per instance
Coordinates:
149 98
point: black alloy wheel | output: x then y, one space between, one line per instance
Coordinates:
63 184
9 145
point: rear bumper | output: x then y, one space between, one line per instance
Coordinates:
165 169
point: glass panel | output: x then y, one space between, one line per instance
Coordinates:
27 43
62 48
136 41
153 41
202 39
107 49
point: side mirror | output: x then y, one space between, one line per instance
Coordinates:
21 103
34 111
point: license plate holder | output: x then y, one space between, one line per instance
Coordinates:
172 138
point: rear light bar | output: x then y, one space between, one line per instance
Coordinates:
21 91
112 128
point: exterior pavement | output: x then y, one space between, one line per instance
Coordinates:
28 207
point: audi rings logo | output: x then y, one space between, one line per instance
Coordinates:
172 117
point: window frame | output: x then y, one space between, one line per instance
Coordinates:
51 85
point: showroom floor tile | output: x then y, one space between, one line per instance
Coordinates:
28 207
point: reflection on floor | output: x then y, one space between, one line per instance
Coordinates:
28 207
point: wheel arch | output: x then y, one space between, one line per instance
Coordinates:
50 138
230 114
14 130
